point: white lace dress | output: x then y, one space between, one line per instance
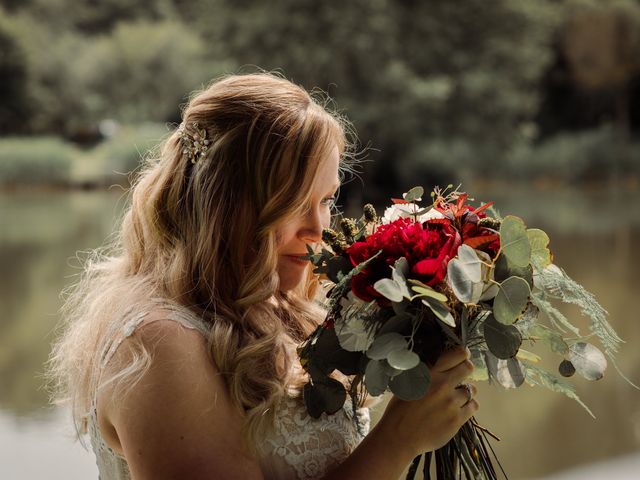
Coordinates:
299 447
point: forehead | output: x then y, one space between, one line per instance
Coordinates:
327 176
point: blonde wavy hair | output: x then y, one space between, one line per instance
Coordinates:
203 236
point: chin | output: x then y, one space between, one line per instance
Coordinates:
291 281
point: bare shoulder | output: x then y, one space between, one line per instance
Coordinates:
178 420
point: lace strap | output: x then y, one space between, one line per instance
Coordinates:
178 314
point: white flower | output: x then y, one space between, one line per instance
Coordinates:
408 210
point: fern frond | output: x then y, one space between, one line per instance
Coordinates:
538 376
557 319
559 285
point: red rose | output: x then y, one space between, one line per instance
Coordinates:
427 247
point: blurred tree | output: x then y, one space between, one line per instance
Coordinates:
447 73
143 71
13 87
95 16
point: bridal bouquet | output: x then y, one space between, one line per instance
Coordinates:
408 285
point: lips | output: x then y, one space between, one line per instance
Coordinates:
297 258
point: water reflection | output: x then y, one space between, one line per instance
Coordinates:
593 235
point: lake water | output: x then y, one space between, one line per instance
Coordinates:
595 235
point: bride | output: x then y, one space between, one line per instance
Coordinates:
177 353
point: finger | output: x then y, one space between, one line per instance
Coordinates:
457 374
464 393
470 409
451 358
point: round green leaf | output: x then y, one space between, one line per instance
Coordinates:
411 384
507 372
514 242
511 300
326 396
425 291
376 377
413 195
588 360
353 334
400 323
502 340
540 254
403 359
504 270
389 288
385 344
440 310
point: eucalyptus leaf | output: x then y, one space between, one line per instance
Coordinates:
514 242
507 372
511 300
353 334
540 254
329 355
503 341
376 378
428 292
441 311
327 396
504 269
403 359
413 195
400 323
464 275
588 360
385 344
411 384
400 271
389 289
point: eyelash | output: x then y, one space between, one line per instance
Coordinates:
329 201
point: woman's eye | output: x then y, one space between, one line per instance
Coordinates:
329 201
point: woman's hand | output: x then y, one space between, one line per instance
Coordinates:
430 422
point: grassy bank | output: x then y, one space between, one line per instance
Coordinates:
595 157
50 162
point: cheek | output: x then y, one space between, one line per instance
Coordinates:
326 219
283 235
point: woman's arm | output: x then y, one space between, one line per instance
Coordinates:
179 421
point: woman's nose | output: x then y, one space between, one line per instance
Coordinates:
311 229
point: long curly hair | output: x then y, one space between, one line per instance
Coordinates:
203 235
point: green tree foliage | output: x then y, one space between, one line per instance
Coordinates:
13 91
142 71
419 79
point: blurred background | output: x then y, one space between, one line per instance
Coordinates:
535 105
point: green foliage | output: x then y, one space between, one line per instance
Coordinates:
142 71
28 161
577 156
13 72
538 376
123 152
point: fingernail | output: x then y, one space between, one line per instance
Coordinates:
466 349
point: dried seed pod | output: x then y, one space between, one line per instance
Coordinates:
349 229
329 236
489 223
370 214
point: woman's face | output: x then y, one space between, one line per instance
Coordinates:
306 228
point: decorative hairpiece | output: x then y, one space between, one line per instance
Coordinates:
194 145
